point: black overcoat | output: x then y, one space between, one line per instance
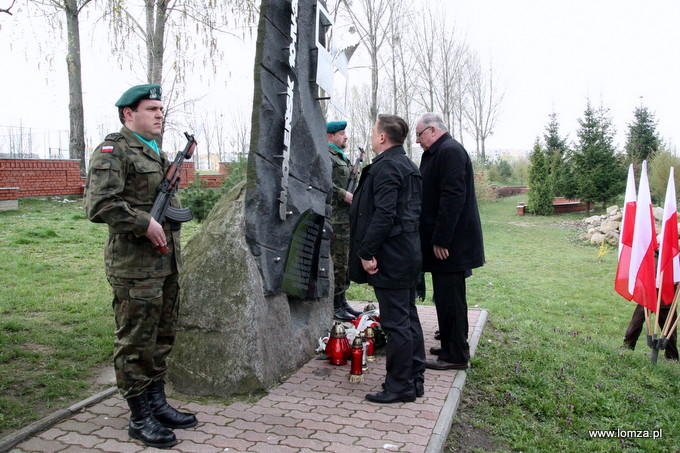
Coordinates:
384 221
449 216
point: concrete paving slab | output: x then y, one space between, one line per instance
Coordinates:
315 410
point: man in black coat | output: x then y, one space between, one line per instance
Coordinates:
385 253
450 235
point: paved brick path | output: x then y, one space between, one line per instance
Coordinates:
315 410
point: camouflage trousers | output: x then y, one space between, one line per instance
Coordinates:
145 311
340 256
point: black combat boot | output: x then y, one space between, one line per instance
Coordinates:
145 427
348 307
340 312
164 413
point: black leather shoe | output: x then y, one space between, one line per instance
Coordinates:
386 397
435 350
342 315
348 308
441 365
419 388
167 415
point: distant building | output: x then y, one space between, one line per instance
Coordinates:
511 155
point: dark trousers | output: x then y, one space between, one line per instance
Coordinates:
405 344
451 303
637 322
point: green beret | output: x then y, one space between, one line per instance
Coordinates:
335 126
139 92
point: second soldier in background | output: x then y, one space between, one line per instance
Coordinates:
340 204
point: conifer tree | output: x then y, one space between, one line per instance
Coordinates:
557 153
598 171
642 141
540 199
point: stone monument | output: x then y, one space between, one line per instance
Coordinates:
256 280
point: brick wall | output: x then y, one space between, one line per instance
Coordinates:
212 180
560 206
51 177
509 191
41 177
9 193
218 179
187 175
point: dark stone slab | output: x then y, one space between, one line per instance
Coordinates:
270 216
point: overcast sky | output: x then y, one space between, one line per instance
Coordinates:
554 54
550 55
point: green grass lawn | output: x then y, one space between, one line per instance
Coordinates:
548 368
547 371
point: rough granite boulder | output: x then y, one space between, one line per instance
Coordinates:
232 339
607 227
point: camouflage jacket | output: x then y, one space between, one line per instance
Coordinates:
341 171
122 184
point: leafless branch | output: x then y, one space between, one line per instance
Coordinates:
7 10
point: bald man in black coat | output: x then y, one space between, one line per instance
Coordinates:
450 234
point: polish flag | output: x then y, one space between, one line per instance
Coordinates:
641 277
669 262
626 238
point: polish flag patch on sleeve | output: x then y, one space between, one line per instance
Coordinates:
107 149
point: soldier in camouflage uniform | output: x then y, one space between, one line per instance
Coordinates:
122 183
340 203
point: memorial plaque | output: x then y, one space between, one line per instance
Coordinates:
302 264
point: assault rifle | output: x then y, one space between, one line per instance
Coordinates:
161 209
353 176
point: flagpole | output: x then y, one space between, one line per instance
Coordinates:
675 324
671 314
658 307
649 327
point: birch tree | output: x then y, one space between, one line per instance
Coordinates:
187 28
483 108
450 76
71 10
190 22
370 19
424 50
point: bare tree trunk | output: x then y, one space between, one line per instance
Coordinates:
374 88
156 18
485 103
367 18
424 51
393 45
149 11
76 116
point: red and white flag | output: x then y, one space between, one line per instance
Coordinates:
668 270
626 237
641 277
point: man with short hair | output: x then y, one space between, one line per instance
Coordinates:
122 183
340 203
451 235
385 253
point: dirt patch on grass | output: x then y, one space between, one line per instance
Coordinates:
522 224
103 376
466 435
41 349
